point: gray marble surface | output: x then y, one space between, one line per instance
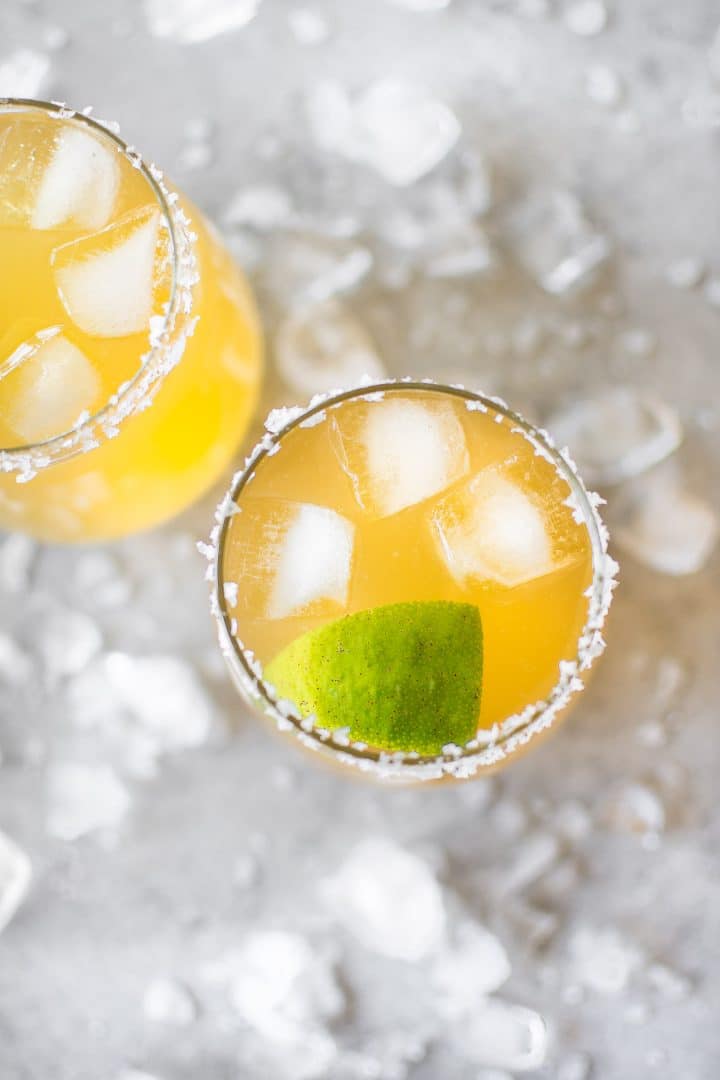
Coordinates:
160 847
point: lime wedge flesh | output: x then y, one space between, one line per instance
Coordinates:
400 677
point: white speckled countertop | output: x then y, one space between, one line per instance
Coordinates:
594 860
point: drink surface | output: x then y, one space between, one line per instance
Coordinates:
88 273
417 497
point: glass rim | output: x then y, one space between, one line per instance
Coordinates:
152 365
486 749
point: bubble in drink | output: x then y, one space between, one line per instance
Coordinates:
295 559
491 530
401 454
48 384
108 282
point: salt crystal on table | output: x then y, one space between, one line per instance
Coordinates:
67 641
576 1066
422 5
473 964
671 985
603 85
686 273
84 799
555 242
308 26
502 1035
136 1074
193 21
17 554
388 899
309 268
397 128
666 527
632 807
163 694
618 433
24 73
323 347
15 875
530 859
261 207
280 975
586 17
15 665
602 959
168 1001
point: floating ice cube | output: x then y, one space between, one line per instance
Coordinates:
503 1036
389 899
399 452
324 347
618 433
586 17
554 241
46 384
603 959
107 281
471 966
24 73
293 558
397 128
15 874
168 1001
665 527
491 530
193 21
80 183
84 799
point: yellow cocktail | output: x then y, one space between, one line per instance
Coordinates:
130 351
410 578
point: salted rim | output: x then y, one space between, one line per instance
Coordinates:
487 748
167 342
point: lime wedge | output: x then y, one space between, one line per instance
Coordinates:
400 677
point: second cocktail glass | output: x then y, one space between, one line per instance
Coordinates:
130 354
